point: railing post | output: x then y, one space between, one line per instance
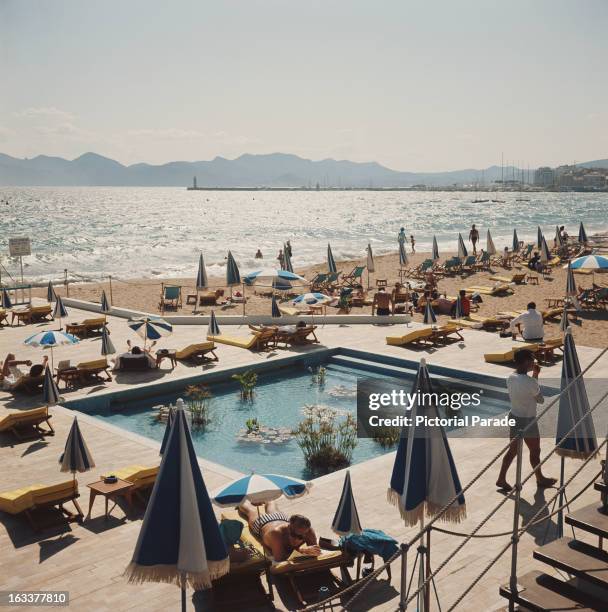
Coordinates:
111 294
403 589
427 594
515 534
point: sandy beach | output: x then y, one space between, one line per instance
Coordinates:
143 294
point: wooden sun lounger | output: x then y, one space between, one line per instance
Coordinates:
87 326
517 278
488 322
34 497
546 350
299 336
444 333
255 342
33 314
18 423
290 311
508 356
416 337
197 351
141 477
486 290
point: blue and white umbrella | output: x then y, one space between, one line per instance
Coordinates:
403 261
331 262
260 489
51 296
274 308
435 252
107 347
346 519
233 276
287 259
309 299
490 248
105 304
51 339
59 311
539 237
570 282
50 391
429 314
590 262
545 254
180 540
582 234
170 419
76 456
201 276
281 280
6 300
214 328
424 477
515 241
462 250
150 328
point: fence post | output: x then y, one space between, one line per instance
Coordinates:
515 534
111 294
403 589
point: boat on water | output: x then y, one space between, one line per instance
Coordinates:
499 201
479 201
522 199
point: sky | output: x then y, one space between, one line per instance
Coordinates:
416 86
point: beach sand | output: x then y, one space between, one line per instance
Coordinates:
143 294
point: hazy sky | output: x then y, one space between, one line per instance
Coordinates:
414 85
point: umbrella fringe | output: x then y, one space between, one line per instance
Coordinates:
138 574
574 454
454 514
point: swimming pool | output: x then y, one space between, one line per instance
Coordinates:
280 396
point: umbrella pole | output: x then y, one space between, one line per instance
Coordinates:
423 595
243 299
183 593
560 513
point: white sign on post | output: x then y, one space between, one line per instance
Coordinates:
19 247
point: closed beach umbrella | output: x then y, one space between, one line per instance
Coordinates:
462 250
107 348
331 263
50 391
76 457
402 255
287 259
170 418
515 241
559 241
346 519
459 311
490 248
370 259
214 328
570 282
274 308
60 311
51 339
259 489
150 328
51 296
539 237
429 314
435 255
563 324
582 234
180 540
201 276
281 280
545 254
105 304
590 262
6 300
233 276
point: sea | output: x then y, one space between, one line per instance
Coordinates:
147 232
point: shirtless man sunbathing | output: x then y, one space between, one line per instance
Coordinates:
280 534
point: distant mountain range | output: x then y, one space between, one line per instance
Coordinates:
272 170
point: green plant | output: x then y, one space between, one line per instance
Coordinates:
386 436
326 442
319 375
252 425
248 380
197 402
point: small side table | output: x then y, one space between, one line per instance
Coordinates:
69 376
110 491
169 354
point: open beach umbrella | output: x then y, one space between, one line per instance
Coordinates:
105 304
6 300
435 252
331 262
370 262
490 248
233 276
180 540
539 237
274 308
170 418
515 241
590 262
76 457
60 311
429 314
259 489
570 282
582 234
50 390
346 519
51 339
545 254
150 328
51 296
309 299
403 261
214 328
287 265
462 250
201 275
107 347
281 280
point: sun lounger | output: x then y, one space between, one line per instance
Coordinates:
486 290
416 337
508 356
33 314
318 282
141 477
488 322
93 369
289 311
87 326
518 278
34 497
207 298
301 335
170 297
197 351
256 342
444 333
353 279
19 422
546 350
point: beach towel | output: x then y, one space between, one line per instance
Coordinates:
371 541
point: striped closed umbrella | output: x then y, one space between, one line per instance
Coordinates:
346 519
287 265
424 477
429 314
150 328
331 262
214 328
107 347
559 241
435 252
370 259
582 234
539 237
105 304
545 254
462 250
274 308
564 324
201 275
50 391
180 540
170 418
590 262
403 261
570 282
6 300
59 311
233 276
259 489
515 241
490 248
51 296
76 457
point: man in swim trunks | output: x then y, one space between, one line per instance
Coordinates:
280 534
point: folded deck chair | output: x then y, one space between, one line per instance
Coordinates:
486 290
516 278
416 336
257 341
18 423
38 496
93 369
508 356
197 351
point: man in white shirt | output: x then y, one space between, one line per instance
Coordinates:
530 324
525 394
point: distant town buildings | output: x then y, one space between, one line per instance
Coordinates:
544 177
581 179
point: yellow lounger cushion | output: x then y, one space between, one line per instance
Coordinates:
93 365
289 311
139 475
508 356
25 498
14 418
242 342
192 349
93 322
49 493
413 336
486 290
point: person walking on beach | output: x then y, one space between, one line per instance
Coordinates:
413 243
281 258
401 238
259 255
525 394
474 238
529 324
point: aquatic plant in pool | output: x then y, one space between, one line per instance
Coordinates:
198 404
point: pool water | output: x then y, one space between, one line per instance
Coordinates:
280 396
